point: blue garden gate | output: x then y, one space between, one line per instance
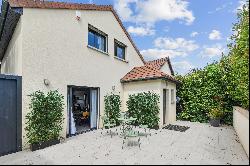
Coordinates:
10 114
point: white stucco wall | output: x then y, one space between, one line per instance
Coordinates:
171 107
155 86
241 126
12 60
138 87
165 68
55 48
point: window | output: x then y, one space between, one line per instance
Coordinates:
119 50
172 96
97 39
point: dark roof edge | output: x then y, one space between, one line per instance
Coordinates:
3 16
170 66
10 18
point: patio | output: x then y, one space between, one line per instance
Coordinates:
200 144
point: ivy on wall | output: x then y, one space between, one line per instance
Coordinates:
144 107
222 84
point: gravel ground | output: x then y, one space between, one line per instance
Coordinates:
200 144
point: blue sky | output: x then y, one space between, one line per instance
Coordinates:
192 33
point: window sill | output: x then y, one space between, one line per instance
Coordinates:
93 48
120 59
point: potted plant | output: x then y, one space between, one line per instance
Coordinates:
215 116
44 121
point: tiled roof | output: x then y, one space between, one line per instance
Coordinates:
159 63
72 6
146 73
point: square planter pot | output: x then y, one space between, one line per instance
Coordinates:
42 145
214 122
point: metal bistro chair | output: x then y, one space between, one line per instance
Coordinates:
129 134
145 128
108 124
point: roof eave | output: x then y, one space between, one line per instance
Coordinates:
10 18
150 78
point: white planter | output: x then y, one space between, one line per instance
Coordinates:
241 126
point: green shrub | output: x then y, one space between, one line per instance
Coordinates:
222 84
202 91
112 107
215 113
238 60
44 121
144 106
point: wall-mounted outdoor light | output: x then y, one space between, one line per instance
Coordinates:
46 82
113 88
78 15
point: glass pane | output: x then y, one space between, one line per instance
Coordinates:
91 39
120 52
100 42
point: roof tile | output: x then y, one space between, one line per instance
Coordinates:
145 73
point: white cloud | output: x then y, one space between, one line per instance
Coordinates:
156 53
179 44
182 67
193 34
141 31
151 11
170 47
212 51
123 9
215 35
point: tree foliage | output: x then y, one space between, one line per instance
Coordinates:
222 84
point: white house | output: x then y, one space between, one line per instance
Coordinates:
84 51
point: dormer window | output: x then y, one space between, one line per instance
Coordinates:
97 39
120 50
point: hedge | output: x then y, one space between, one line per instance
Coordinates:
222 84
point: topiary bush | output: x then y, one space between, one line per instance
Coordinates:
145 107
44 121
112 107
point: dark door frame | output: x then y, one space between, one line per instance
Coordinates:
69 104
164 105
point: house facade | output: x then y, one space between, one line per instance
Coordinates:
85 53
